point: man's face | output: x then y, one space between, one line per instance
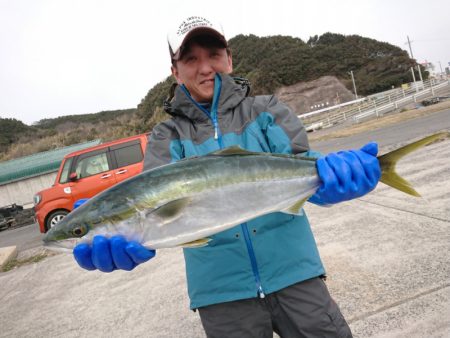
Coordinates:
198 67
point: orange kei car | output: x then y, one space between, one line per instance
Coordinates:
87 172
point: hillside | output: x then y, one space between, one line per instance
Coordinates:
18 139
281 64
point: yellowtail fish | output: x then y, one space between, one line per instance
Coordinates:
183 203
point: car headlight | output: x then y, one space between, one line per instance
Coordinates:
36 199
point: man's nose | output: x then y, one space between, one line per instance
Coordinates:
205 66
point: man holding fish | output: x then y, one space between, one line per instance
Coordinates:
264 275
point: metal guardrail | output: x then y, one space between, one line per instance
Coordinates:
396 101
376 104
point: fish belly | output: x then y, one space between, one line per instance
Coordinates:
220 209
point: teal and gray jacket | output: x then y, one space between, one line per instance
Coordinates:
262 255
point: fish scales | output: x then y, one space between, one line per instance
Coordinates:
233 198
219 192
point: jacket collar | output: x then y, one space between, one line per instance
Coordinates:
233 91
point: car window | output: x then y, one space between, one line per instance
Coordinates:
128 155
92 165
65 172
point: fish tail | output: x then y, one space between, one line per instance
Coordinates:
388 161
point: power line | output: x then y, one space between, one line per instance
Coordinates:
431 40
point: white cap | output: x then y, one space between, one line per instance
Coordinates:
190 27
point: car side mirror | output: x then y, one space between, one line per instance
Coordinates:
73 177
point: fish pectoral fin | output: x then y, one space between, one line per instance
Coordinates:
171 209
196 244
296 208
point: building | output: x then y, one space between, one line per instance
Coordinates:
22 178
430 68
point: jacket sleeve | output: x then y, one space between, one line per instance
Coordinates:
283 129
163 146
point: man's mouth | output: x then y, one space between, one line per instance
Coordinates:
207 81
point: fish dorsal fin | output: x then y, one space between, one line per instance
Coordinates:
172 209
196 244
296 208
233 150
237 150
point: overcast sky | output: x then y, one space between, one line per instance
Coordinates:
62 57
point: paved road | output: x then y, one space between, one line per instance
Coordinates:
389 135
26 237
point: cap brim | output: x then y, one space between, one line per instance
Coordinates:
196 32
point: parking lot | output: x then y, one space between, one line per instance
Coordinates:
387 258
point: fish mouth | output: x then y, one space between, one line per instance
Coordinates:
65 245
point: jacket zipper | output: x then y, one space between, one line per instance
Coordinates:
213 114
217 134
214 106
252 256
216 129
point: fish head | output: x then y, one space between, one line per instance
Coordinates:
73 229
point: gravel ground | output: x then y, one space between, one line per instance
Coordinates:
387 257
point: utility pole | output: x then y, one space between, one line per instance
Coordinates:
414 79
354 86
410 49
412 57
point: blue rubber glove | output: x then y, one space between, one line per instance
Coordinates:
109 254
80 202
346 175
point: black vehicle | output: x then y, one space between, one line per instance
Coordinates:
431 101
7 215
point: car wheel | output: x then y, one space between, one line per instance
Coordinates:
55 217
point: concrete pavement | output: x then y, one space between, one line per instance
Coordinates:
387 257
7 254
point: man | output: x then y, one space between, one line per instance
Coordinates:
264 275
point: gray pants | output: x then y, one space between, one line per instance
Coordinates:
305 309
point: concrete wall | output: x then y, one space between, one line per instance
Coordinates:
22 192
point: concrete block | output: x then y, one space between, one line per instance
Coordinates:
6 254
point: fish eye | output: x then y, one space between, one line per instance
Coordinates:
79 231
